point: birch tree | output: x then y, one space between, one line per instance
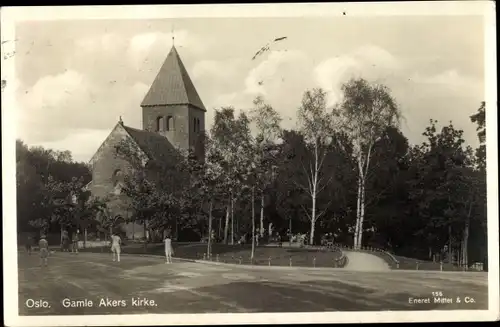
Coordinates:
366 111
316 123
228 133
267 122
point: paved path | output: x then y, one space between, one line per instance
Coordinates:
188 287
362 261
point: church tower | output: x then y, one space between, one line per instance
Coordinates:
172 106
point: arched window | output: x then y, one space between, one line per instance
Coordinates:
170 123
194 124
160 124
118 181
198 123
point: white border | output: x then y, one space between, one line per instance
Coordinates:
10 15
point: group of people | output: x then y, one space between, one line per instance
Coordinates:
116 244
70 245
43 247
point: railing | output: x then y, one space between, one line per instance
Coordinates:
372 249
337 261
410 264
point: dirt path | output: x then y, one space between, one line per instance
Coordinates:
361 261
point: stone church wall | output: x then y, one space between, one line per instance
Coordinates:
105 166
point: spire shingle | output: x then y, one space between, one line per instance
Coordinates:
172 85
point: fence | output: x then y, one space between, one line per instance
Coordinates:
405 263
338 261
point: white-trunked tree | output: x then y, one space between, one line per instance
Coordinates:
366 111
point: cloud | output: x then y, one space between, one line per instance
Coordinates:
88 141
450 79
377 57
272 71
58 105
108 43
156 43
217 69
369 62
331 73
50 91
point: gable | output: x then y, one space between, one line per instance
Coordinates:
117 135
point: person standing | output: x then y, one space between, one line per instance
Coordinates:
169 251
44 250
75 239
29 244
65 241
116 246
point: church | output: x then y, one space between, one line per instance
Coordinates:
173 116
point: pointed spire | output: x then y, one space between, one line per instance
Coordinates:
172 85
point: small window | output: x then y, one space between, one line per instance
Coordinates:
160 124
198 127
170 123
194 124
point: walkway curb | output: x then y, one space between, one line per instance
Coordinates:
263 267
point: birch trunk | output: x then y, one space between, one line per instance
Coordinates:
226 225
361 214
363 174
313 227
450 252
314 192
261 215
465 259
313 219
209 242
85 238
232 221
219 227
253 225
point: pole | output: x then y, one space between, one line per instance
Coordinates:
209 243
232 220
253 223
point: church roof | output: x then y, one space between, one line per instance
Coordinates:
172 85
154 145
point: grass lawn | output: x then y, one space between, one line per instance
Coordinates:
300 257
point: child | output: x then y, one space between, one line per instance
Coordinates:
115 246
44 250
169 251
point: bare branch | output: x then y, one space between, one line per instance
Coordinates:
308 177
308 191
325 184
307 213
324 211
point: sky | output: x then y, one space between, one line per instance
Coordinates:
75 78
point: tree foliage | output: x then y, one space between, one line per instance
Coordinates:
347 170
